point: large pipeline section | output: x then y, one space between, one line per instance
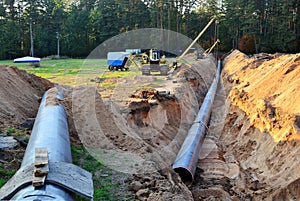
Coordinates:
50 131
187 158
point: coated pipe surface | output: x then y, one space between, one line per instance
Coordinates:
187 158
50 131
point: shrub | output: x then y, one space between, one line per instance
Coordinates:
247 44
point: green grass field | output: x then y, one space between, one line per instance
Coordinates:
72 72
93 72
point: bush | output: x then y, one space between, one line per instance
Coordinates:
247 44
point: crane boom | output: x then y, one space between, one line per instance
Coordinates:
197 38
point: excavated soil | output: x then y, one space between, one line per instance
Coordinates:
142 138
20 95
251 150
268 90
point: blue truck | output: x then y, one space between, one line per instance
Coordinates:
117 60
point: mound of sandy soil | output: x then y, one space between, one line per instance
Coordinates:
265 136
252 148
20 94
267 88
142 138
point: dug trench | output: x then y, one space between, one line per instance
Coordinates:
250 151
141 139
137 142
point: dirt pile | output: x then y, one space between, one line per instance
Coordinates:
109 138
267 88
142 138
252 147
20 94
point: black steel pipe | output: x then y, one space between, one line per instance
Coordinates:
187 158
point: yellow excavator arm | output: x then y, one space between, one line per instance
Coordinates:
208 51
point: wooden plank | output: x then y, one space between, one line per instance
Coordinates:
71 177
41 157
38 181
41 171
41 167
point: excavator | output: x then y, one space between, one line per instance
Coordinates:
155 60
155 63
147 62
151 62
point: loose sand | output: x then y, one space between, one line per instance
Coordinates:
251 151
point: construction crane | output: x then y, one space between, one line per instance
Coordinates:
208 51
150 62
196 39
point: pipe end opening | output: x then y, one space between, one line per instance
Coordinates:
185 175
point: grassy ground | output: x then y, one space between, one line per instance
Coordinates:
108 185
5 175
72 71
60 71
81 72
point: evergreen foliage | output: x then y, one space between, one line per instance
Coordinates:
274 25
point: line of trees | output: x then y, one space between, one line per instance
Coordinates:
263 25
252 26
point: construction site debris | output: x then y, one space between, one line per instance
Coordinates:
7 142
152 94
263 56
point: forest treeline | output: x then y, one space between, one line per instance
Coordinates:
251 26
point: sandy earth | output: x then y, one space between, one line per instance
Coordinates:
143 137
20 94
268 89
251 151
260 133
